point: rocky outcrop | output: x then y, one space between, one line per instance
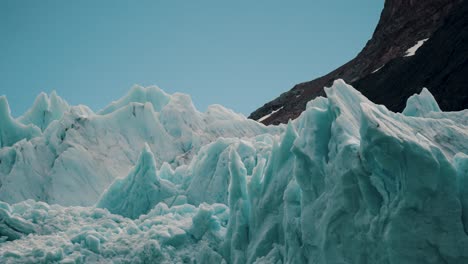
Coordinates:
402 24
441 65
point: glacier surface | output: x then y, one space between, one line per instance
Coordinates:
150 179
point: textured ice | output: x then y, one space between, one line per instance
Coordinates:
421 104
90 235
45 110
153 95
78 156
11 130
347 182
140 191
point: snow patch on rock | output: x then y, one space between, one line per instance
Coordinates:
412 51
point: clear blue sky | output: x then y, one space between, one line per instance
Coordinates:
240 54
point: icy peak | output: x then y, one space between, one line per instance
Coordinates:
11 131
421 104
140 191
4 107
146 163
152 94
45 110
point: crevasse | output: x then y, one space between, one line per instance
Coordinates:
150 179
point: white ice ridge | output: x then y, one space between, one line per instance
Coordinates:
347 182
412 51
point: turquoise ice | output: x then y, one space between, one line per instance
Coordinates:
150 179
140 191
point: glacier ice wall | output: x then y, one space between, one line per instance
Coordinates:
80 154
347 182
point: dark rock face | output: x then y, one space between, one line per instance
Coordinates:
441 65
402 24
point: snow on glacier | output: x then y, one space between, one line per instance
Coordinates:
149 179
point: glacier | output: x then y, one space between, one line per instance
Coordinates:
150 179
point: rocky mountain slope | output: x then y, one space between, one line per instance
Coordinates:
402 25
441 65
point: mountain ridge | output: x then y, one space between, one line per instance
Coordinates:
402 24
